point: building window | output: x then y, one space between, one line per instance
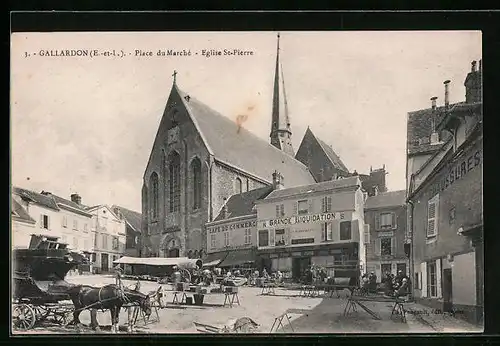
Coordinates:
264 238
345 230
85 244
280 210
75 243
95 239
401 267
431 279
116 243
75 224
302 207
94 257
104 241
197 183
280 237
367 233
238 186
248 237
416 282
65 221
44 221
85 227
385 268
386 246
213 241
385 221
226 238
326 204
453 215
174 169
432 216
154 196
326 231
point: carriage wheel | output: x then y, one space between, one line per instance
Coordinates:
41 313
23 317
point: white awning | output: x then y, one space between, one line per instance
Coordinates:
153 261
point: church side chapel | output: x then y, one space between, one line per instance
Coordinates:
200 158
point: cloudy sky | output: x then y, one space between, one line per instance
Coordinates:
87 125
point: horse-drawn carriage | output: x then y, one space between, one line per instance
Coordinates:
39 291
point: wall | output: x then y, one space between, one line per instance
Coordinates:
464 279
79 238
55 218
236 228
21 234
413 164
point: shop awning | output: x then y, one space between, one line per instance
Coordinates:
152 261
238 257
213 259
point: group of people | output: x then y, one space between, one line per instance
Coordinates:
391 285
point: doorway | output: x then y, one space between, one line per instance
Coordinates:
447 290
173 253
299 266
105 262
401 267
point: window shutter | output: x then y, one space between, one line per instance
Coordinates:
329 232
367 233
377 246
323 231
311 206
394 221
393 246
423 268
432 216
438 278
277 210
323 205
271 237
48 222
41 220
377 221
295 208
282 210
329 204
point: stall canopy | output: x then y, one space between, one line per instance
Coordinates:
238 257
214 259
154 261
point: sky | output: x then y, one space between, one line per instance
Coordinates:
86 125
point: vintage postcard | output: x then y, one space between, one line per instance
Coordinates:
247 182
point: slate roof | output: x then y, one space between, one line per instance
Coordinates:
337 162
132 217
386 199
63 201
242 149
242 204
35 197
318 187
20 213
419 127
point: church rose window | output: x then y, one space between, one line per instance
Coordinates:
174 182
154 195
197 183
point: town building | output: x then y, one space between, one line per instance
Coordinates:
109 232
133 232
385 218
22 225
232 236
54 216
315 224
445 203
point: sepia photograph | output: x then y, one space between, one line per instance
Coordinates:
251 182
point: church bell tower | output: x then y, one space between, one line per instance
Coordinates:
281 135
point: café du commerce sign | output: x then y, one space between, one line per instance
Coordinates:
303 219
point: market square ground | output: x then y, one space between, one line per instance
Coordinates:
322 315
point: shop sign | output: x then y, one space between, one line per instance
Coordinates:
304 219
296 254
303 233
385 234
231 226
308 253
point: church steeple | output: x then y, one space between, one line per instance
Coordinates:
281 134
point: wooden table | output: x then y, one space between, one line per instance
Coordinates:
230 298
268 289
353 301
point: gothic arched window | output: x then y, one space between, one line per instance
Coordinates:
197 183
174 169
239 186
154 195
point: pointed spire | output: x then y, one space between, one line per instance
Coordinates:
280 125
174 75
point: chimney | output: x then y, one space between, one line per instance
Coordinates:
76 198
473 66
433 100
277 181
446 93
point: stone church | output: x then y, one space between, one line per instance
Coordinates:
200 158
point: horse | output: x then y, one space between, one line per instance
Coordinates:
109 297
